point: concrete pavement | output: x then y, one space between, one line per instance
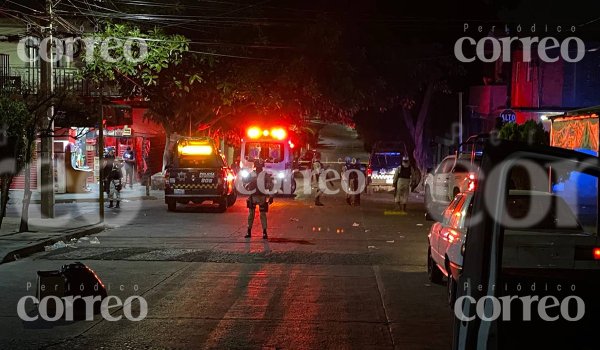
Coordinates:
328 277
76 215
320 281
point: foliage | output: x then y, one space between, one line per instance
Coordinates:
14 117
162 50
530 132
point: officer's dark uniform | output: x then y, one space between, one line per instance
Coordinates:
259 198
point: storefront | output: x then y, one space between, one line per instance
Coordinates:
577 130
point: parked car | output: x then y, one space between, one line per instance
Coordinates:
530 257
553 242
452 176
384 159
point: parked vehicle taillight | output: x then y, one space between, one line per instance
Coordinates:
369 171
596 253
450 235
166 176
472 182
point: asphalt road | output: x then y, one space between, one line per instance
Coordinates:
328 277
336 277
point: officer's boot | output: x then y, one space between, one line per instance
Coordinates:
265 236
117 206
110 204
318 202
249 234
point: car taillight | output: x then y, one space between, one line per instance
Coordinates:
369 171
450 235
230 176
596 253
167 174
472 182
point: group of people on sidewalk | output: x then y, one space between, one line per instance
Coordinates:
112 171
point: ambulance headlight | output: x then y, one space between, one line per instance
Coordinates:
281 175
244 173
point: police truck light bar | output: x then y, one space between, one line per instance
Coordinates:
195 149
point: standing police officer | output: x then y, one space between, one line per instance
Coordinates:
317 173
401 181
260 183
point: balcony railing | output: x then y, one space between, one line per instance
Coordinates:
65 80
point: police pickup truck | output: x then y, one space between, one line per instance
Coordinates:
198 173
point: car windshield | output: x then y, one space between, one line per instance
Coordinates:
386 159
200 161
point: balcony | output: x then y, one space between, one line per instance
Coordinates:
65 80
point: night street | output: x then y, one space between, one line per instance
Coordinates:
291 174
318 280
333 276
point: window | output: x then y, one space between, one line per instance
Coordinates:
450 209
458 213
460 168
269 151
386 160
446 166
201 161
557 216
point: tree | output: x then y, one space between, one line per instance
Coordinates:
13 118
530 132
139 76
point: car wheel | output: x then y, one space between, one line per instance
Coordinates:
293 186
222 204
171 205
451 290
433 273
231 199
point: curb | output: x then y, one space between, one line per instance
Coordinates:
87 200
39 246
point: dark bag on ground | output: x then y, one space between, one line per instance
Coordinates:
75 280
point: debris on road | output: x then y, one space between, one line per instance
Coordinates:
57 245
371 247
419 224
367 230
356 224
95 240
392 241
401 237
294 220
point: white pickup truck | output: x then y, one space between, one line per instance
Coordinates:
450 177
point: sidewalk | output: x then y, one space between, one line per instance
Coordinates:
14 245
138 192
44 232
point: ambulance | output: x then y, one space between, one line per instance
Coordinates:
273 147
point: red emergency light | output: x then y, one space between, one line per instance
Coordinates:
276 133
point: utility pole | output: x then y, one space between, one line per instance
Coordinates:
101 155
47 126
460 120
